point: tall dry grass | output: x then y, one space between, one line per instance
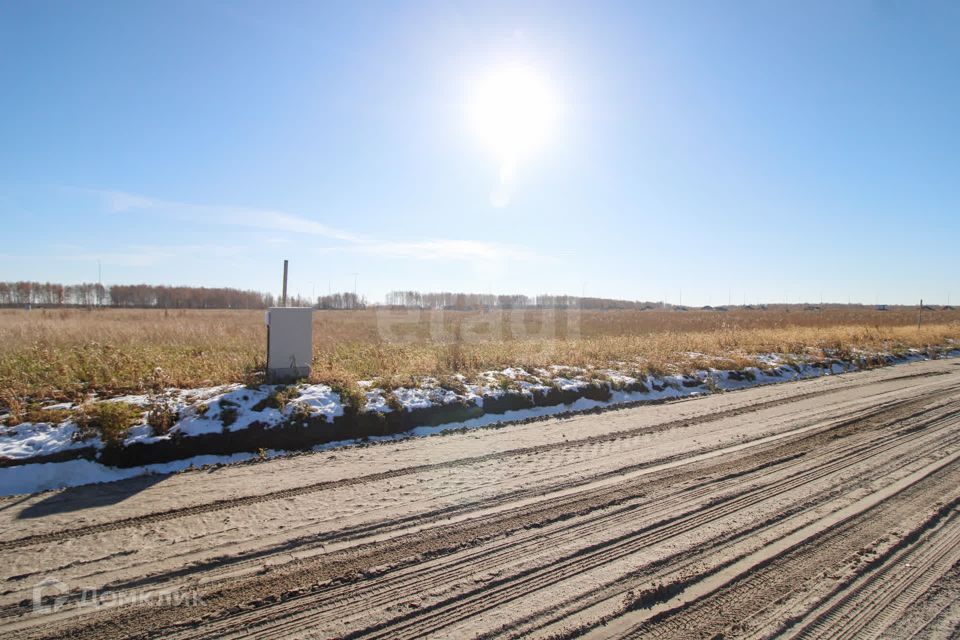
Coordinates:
68 353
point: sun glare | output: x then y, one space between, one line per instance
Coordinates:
512 113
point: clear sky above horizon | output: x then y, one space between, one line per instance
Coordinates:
742 150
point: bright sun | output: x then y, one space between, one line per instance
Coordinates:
512 112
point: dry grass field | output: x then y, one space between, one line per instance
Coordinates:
66 353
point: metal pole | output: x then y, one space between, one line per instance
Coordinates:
283 300
920 315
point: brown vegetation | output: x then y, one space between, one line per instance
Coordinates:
108 420
66 353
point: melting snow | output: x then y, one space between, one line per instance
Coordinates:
39 439
206 409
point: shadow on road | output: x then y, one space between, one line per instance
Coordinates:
90 496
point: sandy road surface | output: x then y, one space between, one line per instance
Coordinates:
827 508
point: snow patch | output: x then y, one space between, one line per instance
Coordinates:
30 478
29 439
236 407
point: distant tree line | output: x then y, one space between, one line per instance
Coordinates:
52 294
448 300
136 295
344 300
475 301
143 295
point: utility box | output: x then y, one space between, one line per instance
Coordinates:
289 343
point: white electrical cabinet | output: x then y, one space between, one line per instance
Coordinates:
289 343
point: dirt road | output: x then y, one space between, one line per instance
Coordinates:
827 508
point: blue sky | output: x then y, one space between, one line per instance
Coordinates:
765 150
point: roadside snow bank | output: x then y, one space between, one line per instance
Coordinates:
31 440
231 423
30 478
